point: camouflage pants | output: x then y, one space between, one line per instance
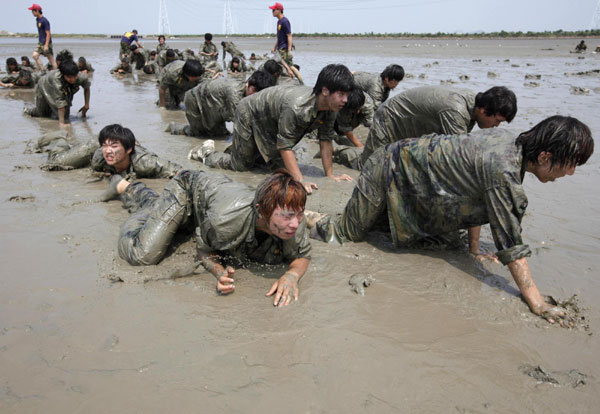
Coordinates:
124 50
363 210
286 56
43 110
146 235
173 98
243 152
202 123
40 50
65 154
356 158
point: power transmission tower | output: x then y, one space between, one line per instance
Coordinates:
227 19
595 24
163 19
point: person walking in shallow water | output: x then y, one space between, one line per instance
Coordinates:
423 190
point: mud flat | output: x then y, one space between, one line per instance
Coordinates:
80 331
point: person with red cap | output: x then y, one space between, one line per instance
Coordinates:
284 34
44 46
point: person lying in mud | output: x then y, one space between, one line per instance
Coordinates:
378 86
84 66
122 68
424 190
213 102
231 221
25 78
268 124
431 109
54 93
237 65
115 151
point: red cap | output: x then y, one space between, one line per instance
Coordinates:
38 7
276 6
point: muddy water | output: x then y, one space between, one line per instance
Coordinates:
435 332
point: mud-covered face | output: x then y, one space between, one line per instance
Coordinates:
115 154
284 222
544 172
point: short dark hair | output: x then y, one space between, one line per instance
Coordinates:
297 66
223 43
568 140
133 47
125 59
393 72
116 132
25 75
148 69
134 31
235 59
82 60
25 58
261 80
279 190
498 100
192 68
11 61
356 99
68 68
170 53
64 54
335 78
153 53
273 68
208 36
162 37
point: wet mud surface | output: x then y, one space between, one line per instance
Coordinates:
82 331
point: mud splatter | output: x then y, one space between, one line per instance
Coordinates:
22 199
359 282
574 315
571 377
578 90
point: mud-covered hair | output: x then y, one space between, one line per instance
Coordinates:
192 68
393 72
133 47
116 132
356 99
568 140
25 58
170 53
207 36
261 80
64 54
11 61
279 190
148 69
335 78
498 100
273 68
68 68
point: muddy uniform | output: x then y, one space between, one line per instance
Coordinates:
243 67
140 58
411 114
53 92
188 54
88 67
271 120
284 78
160 48
232 50
372 85
144 164
162 59
176 84
14 71
210 104
209 48
222 212
428 188
26 78
127 68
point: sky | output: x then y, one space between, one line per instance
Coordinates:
306 16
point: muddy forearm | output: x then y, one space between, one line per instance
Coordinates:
298 268
161 96
210 263
86 97
289 160
352 138
327 157
521 273
61 115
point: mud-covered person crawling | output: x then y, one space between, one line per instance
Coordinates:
231 219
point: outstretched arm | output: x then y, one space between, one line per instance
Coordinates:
287 286
223 275
474 233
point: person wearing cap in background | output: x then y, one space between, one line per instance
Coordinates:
44 46
284 34
126 40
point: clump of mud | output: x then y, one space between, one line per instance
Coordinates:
359 282
578 90
22 199
571 377
593 72
574 317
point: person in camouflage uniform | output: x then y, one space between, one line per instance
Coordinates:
165 57
25 78
151 68
213 102
161 44
358 111
115 151
84 66
280 71
176 79
26 63
237 65
378 87
283 44
431 109
138 56
231 220
208 50
232 49
123 67
12 67
54 93
268 124
425 189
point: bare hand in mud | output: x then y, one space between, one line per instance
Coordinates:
553 313
343 177
484 257
83 110
286 287
225 281
309 187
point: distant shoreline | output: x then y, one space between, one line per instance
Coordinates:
492 35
